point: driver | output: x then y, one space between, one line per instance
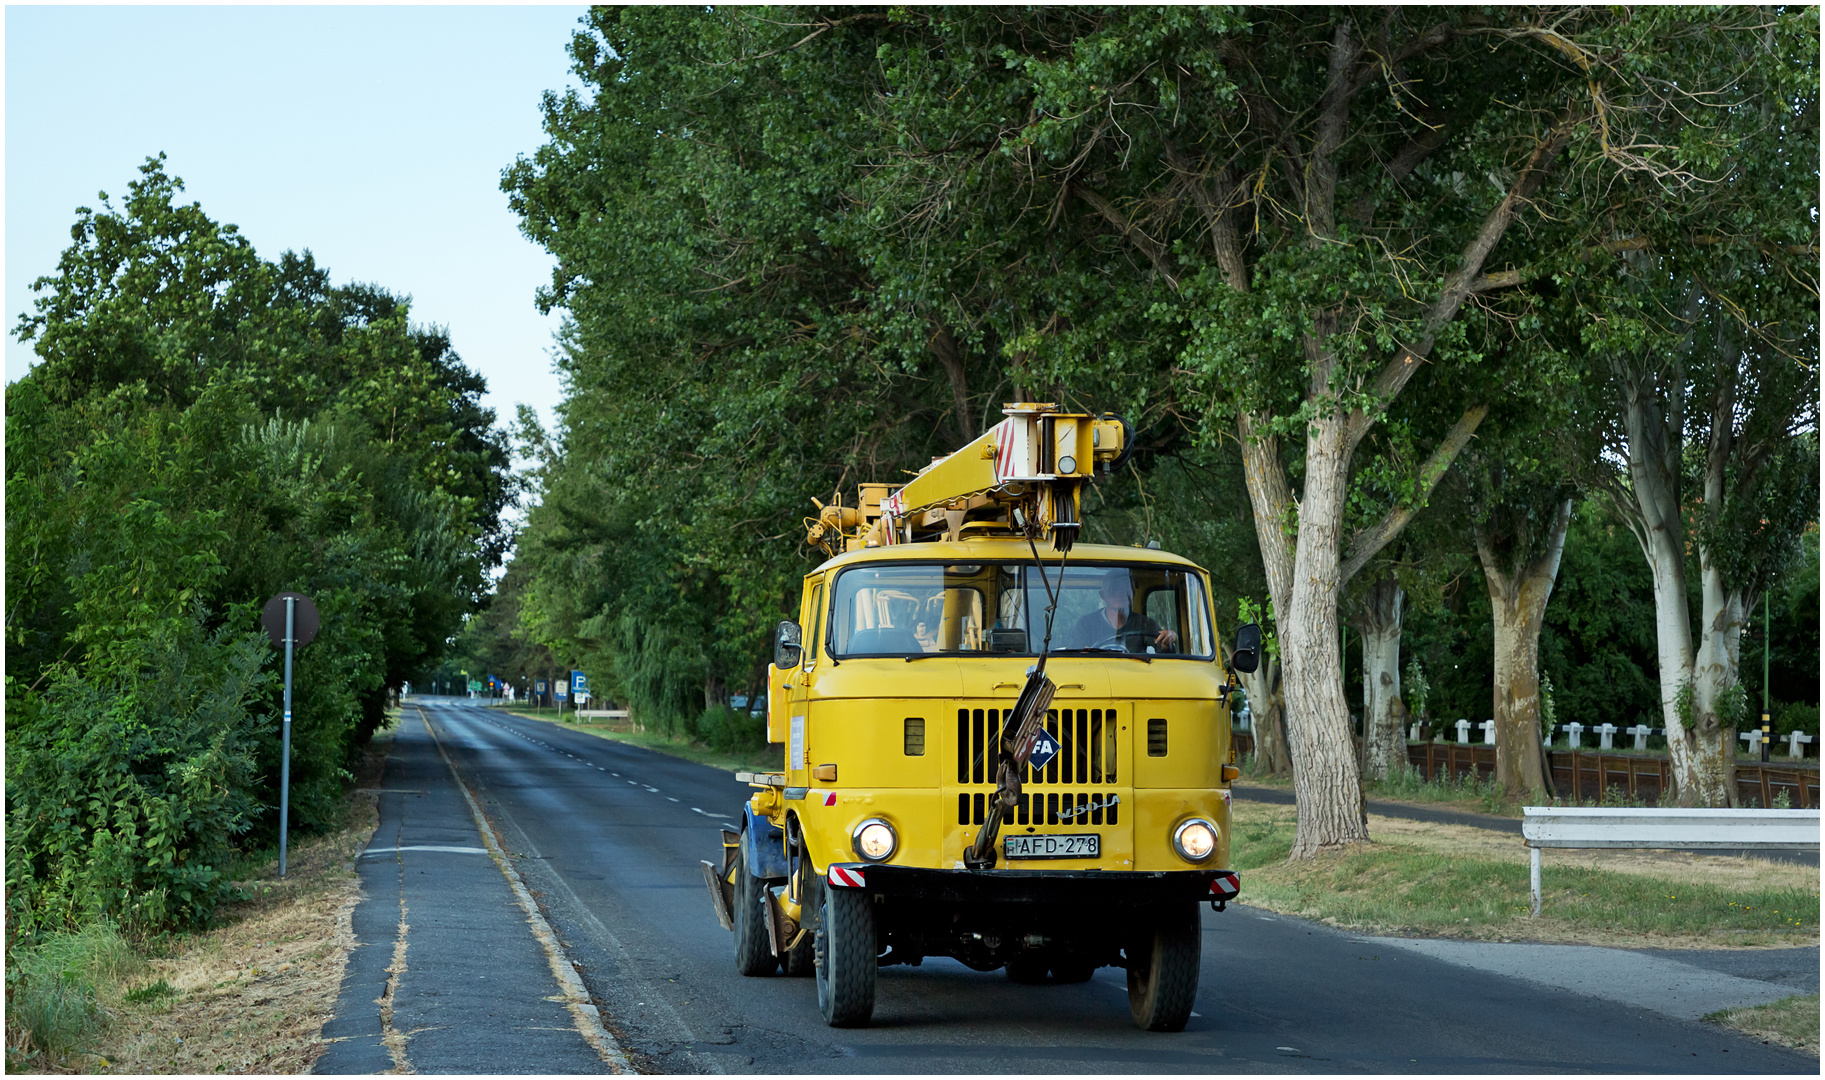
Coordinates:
1115 622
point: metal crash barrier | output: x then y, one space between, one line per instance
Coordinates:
1680 829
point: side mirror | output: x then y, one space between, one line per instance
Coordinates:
788 645
1247 656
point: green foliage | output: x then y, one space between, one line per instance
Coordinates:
51 991
1417 689
1796 717
207 429
728 730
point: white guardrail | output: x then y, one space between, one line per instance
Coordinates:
1677 828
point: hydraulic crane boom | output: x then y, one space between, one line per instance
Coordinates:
1024 476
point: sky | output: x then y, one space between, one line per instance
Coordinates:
373 136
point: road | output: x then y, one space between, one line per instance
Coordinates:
608 837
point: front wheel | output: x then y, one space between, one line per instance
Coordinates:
753 952
845 954
1163 969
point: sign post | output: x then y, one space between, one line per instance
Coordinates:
290 620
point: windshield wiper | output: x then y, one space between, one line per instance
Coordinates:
1092 650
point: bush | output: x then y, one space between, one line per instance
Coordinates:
126 785
729 730
1798 716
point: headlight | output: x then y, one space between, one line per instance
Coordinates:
1195 840
874 840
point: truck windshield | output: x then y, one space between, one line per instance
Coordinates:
913 609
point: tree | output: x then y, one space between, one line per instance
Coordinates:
1702 312
207 429
1311 246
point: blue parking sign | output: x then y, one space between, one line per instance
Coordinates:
579 683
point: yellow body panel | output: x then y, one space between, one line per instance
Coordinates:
854 715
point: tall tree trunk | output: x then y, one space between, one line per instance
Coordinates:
1700 743
1326 782
1378 620
1267 713
1517 602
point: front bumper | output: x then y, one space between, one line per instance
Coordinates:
1127 888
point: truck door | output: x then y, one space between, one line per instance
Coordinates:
802 683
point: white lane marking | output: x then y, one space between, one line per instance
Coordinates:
650 788
668 798
699 809
424 847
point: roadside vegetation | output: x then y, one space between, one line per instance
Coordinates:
1791 1022
249 995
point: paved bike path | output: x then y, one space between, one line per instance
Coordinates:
446 966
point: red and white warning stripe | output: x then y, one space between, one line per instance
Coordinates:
1226 885
845 877
1004 449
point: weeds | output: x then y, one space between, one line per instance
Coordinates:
52 1003
1790 1022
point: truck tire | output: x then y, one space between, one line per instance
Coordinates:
845 955
1163 968
753 954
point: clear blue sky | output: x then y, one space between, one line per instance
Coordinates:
374 136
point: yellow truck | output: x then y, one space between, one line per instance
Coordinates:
1016 758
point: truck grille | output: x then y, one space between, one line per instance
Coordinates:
1041 808
1088 755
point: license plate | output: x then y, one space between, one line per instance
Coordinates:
1054 846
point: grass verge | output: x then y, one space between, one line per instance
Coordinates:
1453 881
678 746
249 996
1791 1022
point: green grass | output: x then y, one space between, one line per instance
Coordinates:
765 759
52 1006
1791 1022
1396 888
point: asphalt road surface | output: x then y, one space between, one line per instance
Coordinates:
450 976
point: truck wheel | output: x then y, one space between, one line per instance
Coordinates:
845 954
1027 969
753 953
1163 969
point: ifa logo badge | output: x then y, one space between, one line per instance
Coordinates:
1045 748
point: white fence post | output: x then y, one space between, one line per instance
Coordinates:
1606 733
1463 732
1488 729
1641 733
1575 735
1753 737
1796 744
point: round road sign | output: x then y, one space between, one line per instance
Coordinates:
304 620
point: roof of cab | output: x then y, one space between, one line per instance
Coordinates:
1001 548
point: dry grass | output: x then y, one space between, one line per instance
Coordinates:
253 995
1791 1022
